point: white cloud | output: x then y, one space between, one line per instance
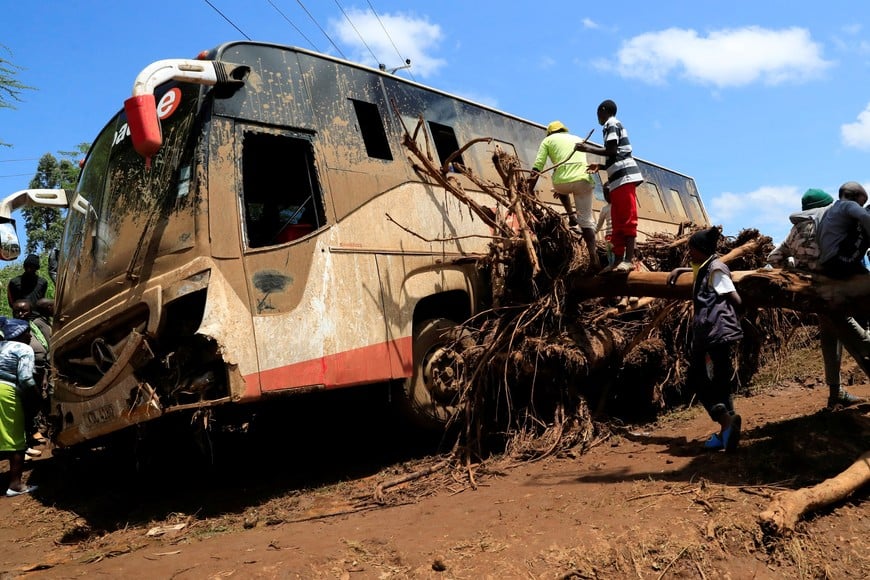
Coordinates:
480 98
546 62
766 209
415 38
731 57
857 134
589 23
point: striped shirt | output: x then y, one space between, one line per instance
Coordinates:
621 168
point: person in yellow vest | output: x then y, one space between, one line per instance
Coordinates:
571 179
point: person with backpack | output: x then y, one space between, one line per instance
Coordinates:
801 250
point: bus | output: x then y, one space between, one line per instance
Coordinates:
250 225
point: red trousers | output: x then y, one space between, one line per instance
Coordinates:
623 214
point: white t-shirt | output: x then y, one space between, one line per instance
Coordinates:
721 283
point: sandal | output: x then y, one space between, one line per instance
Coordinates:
624 267
27 489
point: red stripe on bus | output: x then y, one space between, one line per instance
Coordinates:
370 364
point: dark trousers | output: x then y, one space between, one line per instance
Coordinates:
714 392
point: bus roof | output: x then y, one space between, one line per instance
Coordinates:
218 51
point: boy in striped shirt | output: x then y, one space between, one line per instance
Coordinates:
623 177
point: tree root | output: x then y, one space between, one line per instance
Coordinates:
786 509
420 473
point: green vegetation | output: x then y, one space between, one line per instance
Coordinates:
10 87
44 225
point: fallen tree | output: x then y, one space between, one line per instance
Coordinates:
555 343
552 342
760 288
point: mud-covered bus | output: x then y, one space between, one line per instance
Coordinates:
228 238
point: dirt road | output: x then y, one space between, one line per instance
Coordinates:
644 502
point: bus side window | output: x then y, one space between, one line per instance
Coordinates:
649 198
282 199
697 212
445 142
676 202
371 125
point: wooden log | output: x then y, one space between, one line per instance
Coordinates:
787 508
758 288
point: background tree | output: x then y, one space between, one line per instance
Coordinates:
44 225
10 87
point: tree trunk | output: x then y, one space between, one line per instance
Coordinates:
758 288
786 509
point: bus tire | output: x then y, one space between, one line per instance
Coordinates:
425 403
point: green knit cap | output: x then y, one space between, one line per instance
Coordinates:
814 198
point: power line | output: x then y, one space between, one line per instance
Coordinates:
390 38
227 19
17 175
357 31
314 20
15 160
290 22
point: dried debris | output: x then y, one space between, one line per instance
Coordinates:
531 369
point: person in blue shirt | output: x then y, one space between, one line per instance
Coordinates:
16 384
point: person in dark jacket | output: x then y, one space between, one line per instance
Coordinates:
715 333
801 250
844 233
28 286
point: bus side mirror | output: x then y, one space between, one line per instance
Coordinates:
10 249
144 125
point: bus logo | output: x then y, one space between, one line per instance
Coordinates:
168 103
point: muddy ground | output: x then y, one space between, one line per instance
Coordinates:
295 501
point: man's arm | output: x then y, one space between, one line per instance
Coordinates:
610 146
590 148
778 257
540 158
861 214
600 224
42 287
735 300
675 273
26 363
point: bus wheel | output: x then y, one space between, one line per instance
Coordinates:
429 395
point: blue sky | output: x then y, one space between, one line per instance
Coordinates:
758 101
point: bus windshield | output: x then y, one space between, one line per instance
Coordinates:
121 202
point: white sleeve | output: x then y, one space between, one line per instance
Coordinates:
722 284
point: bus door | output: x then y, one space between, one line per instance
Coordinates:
301 295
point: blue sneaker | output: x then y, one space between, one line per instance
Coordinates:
731 435
714 443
